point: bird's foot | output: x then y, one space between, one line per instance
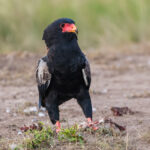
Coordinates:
89 120
58 127
58 130
92 124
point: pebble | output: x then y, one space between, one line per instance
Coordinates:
101 120
13 146
30 109
34 120
43 109
19 133
104 91
94 109
7 110
40 114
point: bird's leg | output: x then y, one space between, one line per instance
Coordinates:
53 110
58 127
54 117
84 101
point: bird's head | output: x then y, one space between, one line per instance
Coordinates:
61 29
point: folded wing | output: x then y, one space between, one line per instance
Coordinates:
43 78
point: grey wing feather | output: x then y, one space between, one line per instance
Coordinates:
87 74
43 78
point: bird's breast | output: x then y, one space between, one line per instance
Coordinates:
68 82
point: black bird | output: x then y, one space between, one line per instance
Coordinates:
65 72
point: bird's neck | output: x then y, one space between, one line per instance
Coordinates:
65 47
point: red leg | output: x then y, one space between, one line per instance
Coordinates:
58 127
89 120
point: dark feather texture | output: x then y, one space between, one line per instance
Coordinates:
66 71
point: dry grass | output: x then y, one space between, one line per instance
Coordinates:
146 137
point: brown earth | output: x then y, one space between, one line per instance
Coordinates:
120 80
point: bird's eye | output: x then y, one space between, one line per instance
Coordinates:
62 25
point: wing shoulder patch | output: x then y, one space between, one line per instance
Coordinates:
85 77
43 74
86 74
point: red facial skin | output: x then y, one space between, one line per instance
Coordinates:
67 27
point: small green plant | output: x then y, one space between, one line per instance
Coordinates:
71 135
42 137
39 138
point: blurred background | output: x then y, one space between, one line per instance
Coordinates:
115 36
100 22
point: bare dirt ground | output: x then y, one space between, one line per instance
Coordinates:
117 80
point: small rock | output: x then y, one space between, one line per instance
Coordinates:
34 109
40 114
7 110
19 133
104 91
101 120
34 120
13 146
94 109
43 109
30 109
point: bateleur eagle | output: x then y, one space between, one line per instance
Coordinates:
65 72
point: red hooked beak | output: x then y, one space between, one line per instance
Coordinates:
67 27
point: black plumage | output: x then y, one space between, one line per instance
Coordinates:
64 73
